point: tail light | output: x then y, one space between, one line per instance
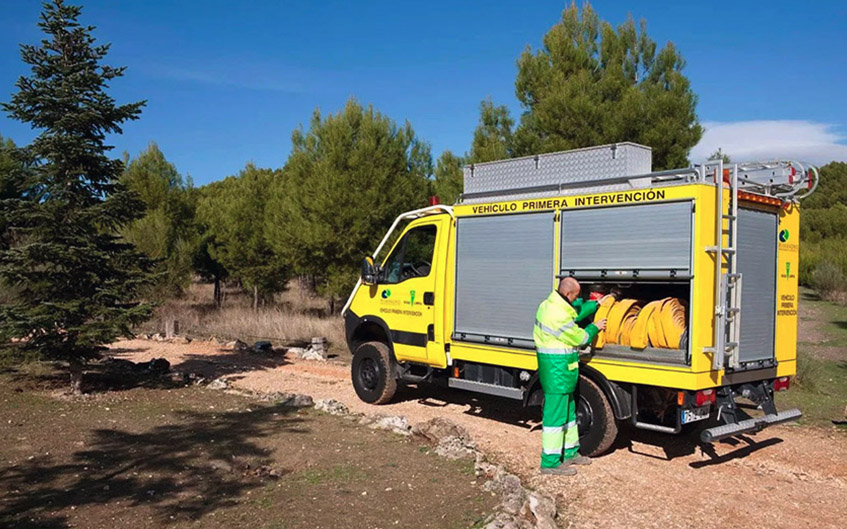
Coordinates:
705 396
781 384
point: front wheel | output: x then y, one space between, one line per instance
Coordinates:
595 419
373 373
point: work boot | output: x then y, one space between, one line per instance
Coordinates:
577 460
561 470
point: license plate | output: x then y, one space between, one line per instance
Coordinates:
695 414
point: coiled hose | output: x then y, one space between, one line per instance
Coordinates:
630 322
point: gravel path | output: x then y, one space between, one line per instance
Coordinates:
782 477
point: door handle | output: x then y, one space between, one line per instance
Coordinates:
429 298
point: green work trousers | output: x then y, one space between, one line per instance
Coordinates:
559 434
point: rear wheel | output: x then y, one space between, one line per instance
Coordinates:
373 373
595 419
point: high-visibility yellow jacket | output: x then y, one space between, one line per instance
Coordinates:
557 340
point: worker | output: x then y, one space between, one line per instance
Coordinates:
557 340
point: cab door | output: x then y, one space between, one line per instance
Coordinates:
407 288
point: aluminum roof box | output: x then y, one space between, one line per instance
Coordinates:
588 170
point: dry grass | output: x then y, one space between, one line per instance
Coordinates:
294 317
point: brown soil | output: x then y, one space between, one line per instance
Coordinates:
782 477
190 457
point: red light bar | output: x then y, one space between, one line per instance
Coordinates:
782 384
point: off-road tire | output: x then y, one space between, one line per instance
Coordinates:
597 436
373 373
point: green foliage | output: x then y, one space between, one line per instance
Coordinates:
12 175
346 180
829 280
832 189
720 155
233 213
166 232
76 280
449 180
823 228
592 84
492 139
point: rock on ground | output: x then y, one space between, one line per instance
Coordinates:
331 406
393 423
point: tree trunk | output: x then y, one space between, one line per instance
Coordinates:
331 305
255 298
75 369
218 294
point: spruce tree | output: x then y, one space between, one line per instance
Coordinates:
75 281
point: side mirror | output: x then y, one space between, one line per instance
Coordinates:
369 271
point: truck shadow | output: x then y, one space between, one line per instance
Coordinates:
646 443
478 405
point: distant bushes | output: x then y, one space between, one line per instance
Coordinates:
823 250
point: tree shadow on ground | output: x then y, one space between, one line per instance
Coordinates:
178 472
223 362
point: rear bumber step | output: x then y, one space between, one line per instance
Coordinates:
482 387
755 424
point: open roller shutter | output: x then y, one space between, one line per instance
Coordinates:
504 269
650 241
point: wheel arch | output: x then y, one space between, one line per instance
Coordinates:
618 397
359 330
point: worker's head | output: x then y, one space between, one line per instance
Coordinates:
569 288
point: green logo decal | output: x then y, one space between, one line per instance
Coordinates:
411 297
783 236
386 294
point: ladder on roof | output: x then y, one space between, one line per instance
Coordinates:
727 320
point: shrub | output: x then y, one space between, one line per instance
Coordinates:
829 280
809 372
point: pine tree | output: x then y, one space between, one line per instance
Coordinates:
592 84
233 212
346 180
166 232
75 281
492 139
449 178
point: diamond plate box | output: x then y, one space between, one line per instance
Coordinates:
577 171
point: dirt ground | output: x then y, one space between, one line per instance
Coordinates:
150 457
782 477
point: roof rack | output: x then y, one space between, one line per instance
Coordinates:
623 167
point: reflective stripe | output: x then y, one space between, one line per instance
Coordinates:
556 350
551 442
585 338
557 333
570 425
552 451
569 445
552 429
573 365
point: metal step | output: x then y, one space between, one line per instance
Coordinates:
756 424
483 387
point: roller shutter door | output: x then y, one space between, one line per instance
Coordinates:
650 241
757 246
504 269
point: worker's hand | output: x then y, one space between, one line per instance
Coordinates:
601 324
604 298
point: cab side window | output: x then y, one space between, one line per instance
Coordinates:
412 257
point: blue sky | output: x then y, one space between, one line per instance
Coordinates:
226 82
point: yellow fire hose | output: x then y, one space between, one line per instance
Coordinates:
659 323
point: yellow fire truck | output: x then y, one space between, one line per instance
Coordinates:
454 300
